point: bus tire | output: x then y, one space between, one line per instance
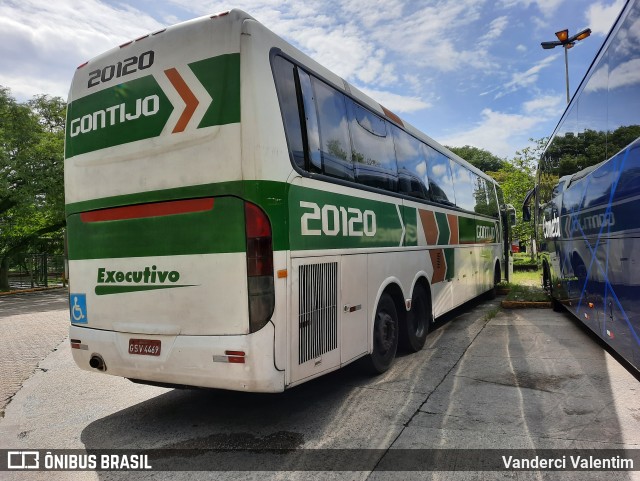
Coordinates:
547 284
556 305
497 275
419 321
385 335
546 278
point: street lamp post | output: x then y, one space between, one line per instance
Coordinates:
567 42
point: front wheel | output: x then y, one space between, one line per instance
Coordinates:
547 284
497 276
385 335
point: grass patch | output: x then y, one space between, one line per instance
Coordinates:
529 278
522 278
492 313
525 287
522 293
522 258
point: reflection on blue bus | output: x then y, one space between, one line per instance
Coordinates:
588 196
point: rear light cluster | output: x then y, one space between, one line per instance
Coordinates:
259 266
235 357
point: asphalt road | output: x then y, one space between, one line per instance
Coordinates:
529 379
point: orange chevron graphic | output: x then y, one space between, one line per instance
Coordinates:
439 265
187 95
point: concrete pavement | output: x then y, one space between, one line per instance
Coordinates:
486 379
32 325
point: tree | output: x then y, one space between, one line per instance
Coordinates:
31 173
517 177
480 158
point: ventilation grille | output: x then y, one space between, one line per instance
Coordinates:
318 316
439 260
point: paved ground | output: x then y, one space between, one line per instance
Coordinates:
32 325
520 379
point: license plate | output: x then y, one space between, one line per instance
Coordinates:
145 347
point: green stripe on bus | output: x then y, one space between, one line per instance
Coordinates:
330 221
140 109
102 290
220 230
443 228
449 255
486 232
270 196
410 215
220 76
128 112
326 220
467 230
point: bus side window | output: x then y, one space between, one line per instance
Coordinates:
464 186
494 209
335 144
629 180
372 150
284 75
412 165
572 197
310 116
598 191
480 195
439 173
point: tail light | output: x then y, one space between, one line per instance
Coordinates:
259 266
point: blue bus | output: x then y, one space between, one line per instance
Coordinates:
587 195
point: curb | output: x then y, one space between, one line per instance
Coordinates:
526 304
26 291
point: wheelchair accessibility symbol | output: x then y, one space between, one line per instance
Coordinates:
78 308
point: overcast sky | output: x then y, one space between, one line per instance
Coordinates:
463 71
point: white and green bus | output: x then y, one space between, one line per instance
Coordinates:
240 217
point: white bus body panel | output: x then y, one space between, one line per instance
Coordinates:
214 301
187 152
186 360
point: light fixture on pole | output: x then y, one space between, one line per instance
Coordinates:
567 42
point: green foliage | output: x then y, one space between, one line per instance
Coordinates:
523 293
335 149
480 158
517 177
31 172
523 259
570 153
527 278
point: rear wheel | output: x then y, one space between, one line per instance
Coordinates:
385 335
419 320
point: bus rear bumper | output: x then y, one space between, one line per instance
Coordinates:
203 361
